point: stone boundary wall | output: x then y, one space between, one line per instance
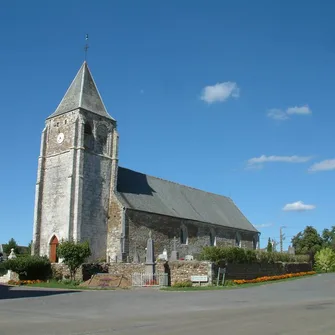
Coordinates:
61 271
10 275
255 270
180 271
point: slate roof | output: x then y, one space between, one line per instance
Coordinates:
82 93
150 194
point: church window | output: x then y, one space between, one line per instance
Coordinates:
88 136
183 235
87 129
212 238
65 122
101 144
238 240
255 242
57 124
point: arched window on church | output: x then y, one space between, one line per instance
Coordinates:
238 240
183 235
101 143
212 238
88 137
255 242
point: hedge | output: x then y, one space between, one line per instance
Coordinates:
247 256
30 267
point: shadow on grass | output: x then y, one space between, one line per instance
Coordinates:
10 292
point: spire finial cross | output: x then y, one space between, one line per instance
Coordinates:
86 46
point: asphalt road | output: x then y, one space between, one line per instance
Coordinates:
304 306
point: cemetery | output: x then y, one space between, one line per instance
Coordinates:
236 265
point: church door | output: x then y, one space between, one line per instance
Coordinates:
53 250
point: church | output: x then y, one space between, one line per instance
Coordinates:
82 194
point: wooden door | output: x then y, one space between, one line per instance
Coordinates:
53 250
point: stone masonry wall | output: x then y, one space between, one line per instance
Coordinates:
181 271
114 229
61 271
164 228
53 210
97 165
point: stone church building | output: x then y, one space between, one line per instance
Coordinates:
83 194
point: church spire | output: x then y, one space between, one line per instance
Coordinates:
82 93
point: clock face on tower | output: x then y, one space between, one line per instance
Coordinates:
60 138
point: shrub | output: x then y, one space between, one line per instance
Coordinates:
70 282
229 283
185 283
73 254
245 256
325 260
3 269
30 267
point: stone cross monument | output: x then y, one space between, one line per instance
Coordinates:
150 258
174 253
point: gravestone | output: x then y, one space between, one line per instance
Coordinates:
174 253
136 257
164 255
150 256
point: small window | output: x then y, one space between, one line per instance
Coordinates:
65 122
87 129
238 240
183 235
101 143
88 137
255 242
57 124
212 238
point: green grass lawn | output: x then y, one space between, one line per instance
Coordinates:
230 287
66 286
60 285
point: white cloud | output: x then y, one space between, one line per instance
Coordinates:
264 225
282 115
283 159
220 92
326 165
277 114
303 110
298 206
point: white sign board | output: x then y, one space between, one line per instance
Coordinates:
199 279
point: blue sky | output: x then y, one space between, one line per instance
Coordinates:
232 97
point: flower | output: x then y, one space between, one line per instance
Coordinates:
271 278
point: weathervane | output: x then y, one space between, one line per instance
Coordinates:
86 46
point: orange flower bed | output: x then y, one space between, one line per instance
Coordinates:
24 282
271 278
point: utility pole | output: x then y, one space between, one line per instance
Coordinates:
281 237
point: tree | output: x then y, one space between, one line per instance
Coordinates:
325 260
269 246
29 247
9 246
73 255
307 242
328 236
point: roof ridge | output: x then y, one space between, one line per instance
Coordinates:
173 182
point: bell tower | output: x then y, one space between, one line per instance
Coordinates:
77 167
